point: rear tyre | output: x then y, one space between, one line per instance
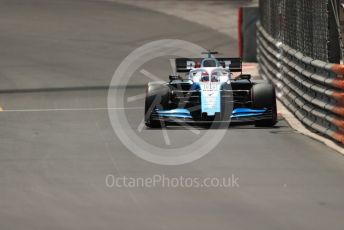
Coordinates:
263 96
157 97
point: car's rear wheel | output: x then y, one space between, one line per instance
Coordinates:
157 97
263 96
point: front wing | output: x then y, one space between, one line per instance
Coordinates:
238 115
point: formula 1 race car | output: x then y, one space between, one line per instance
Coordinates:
209 93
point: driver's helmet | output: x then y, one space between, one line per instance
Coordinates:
215 77
205 76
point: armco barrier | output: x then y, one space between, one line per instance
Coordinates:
313 90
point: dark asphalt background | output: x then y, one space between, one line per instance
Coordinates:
62 54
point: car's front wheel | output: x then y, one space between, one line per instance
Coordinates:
157 97
263 96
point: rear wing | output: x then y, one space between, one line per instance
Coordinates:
186 64
233 64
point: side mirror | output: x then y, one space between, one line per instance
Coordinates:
245 76
174 77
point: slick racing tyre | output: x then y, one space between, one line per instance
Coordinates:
263 96
157 97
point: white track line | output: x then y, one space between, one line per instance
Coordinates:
136 97
68 109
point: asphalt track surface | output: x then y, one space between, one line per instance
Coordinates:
57 57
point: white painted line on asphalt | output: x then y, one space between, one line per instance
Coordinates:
68 109
136 97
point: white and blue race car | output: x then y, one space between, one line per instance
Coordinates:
209 94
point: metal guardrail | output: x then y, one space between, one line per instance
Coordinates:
312 89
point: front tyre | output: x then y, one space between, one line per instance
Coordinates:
264 96
157 97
